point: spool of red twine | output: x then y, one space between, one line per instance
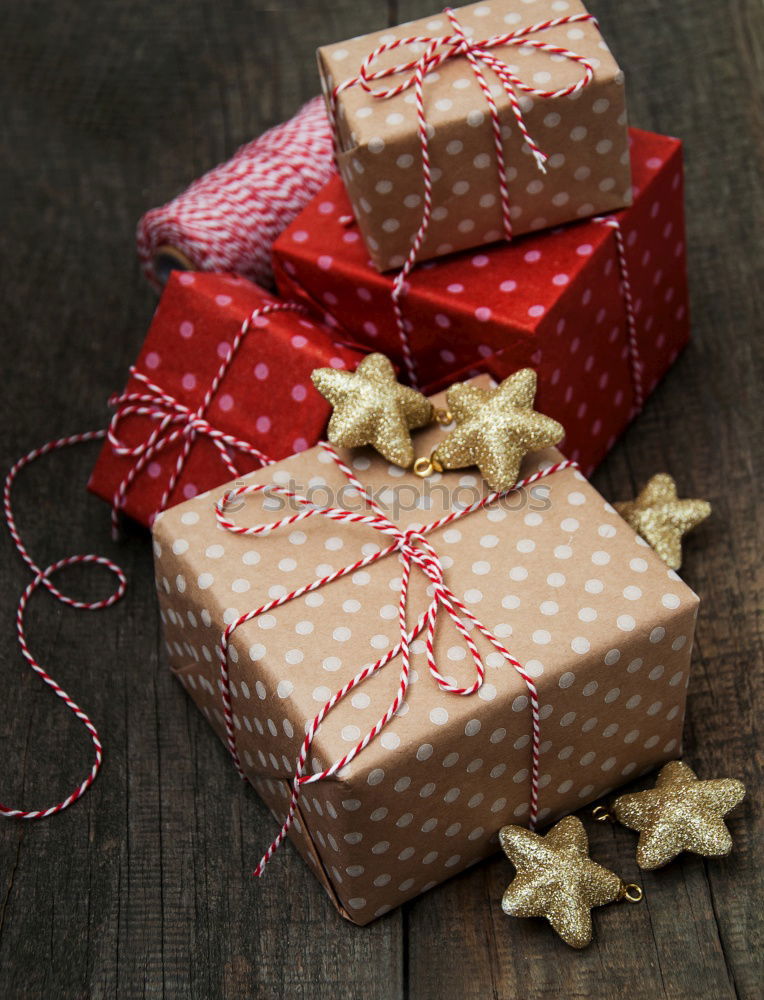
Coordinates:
228 219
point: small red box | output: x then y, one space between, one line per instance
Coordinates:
552 300
265 397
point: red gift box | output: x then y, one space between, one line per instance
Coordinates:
208 399
555 301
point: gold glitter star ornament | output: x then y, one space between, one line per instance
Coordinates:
681 813
495 429
662 519
371 407
557 879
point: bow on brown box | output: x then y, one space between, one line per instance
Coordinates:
560 105
601 628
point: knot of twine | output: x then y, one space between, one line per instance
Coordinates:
414 550
174 422
480 56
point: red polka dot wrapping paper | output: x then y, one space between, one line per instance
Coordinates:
550 300
584 604
265 398
583 134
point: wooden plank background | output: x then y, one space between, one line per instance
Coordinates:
140 890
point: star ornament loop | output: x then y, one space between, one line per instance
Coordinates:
557 879
682 813
662 519
495 429
371 407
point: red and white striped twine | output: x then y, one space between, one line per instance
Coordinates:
177 422
229 219
42 577
478 53
413 549
636 367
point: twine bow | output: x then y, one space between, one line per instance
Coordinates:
479 55
413 550
437 50
176 422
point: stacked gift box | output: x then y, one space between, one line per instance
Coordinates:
581 118
492 212
553 301
205 395
602 627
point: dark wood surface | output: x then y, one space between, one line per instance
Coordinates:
141 890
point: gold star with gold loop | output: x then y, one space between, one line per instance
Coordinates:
495 429
557 879
662 519
371 407
682 813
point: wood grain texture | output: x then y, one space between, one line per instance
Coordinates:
141 889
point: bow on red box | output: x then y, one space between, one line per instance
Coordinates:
221 387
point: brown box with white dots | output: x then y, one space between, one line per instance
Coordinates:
601 629
582 134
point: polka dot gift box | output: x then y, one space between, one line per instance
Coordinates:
554 301
221 386
581 639
525 113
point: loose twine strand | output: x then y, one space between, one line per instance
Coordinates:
42 578
175 422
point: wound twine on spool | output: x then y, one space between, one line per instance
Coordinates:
228 219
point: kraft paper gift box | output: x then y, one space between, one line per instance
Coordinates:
583 134
265 399
553 301
601 626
